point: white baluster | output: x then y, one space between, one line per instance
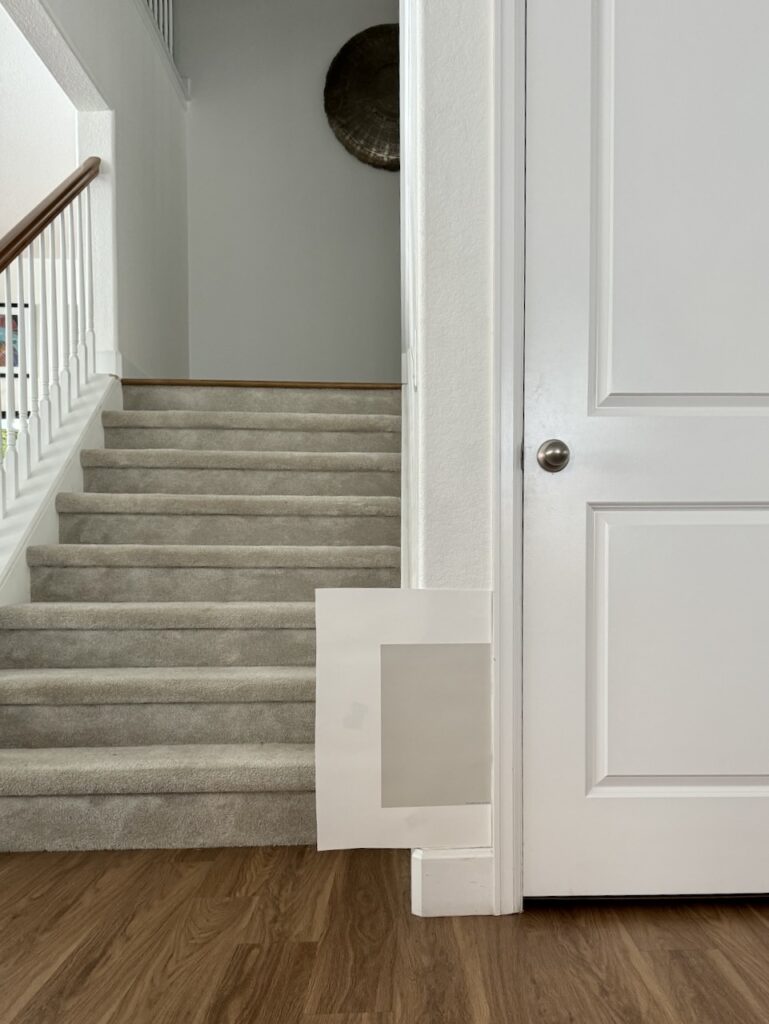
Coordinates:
171 27
46 408
84 367
22 440
63 376
90 333
36 431
3 404
75 368
55 386
11 454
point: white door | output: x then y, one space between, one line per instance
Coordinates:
647 351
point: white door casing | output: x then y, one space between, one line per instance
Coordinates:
646 563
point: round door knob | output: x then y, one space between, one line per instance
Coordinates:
553 455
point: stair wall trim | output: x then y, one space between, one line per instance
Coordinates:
33 520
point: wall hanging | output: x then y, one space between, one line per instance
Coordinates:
362 97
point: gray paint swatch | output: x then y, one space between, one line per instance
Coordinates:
436 724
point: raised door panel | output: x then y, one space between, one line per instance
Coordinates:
681 228
678 662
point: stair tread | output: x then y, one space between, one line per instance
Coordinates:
283 421
248 738
180 458
188 768
228 685
151 615
286 506
215 556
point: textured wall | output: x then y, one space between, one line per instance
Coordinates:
455 269
294 244
38 127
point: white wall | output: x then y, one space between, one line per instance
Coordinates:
294 244
114 44
453 320
38 128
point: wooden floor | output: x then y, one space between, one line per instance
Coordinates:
292 935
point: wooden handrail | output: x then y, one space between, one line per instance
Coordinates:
35 223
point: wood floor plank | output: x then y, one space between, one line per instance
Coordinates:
23 879
198 944
736 929
290 888
558 961
263 985
33 908
700 988
61 882
31 958
90 982
305 902
666 925
355 968
430 976
351 1018
290 935
241 872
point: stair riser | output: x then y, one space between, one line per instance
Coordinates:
252 440
143 648
171 821
224 481
50 583
134 725
324 400
97 528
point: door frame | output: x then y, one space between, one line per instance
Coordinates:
507 622
490 879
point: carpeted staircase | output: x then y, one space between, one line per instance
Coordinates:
159 690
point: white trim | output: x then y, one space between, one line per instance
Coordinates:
445 881
43 32
55 50
452 883
182 85
507 682
410 54
96 137
33 519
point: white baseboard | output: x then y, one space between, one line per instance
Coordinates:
33 519
452 883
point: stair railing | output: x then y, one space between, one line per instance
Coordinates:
163 13
47 344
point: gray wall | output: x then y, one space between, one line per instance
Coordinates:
294 244
116 46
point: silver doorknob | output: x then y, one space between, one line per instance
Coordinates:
553 455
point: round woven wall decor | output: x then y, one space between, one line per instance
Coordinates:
362 97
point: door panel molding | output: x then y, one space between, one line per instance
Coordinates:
720 538
643 291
